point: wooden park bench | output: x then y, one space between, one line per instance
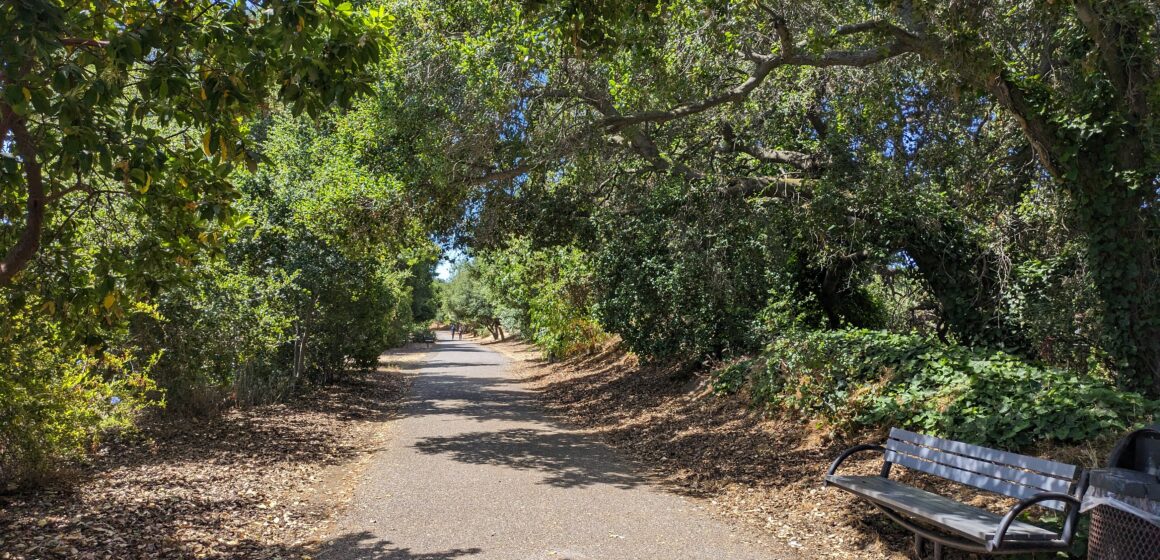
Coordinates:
946 522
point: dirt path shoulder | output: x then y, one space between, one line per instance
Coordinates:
264 482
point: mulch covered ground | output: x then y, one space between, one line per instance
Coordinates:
256 483
761 472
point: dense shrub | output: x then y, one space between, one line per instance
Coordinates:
545 294
314 276
852 378
685 280
283 309
58 397
220 337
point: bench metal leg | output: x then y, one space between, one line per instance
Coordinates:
920 548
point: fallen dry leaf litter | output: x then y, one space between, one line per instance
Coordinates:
258 483
759 472
266 482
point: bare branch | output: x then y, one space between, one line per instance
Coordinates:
496 175
736 93
801 160
784 37
1038 130
880 26
786 188
5 125
91 43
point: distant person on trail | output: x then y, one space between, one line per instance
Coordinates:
452 331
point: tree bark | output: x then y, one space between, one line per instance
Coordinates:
955 270
1121 254
21 253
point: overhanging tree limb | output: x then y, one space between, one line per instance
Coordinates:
1039 132
785 188
1126 72
903 42
811 163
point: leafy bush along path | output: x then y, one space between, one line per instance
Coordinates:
857 378
758 472
258 483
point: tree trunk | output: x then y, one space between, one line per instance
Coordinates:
956 269
21 253
1121 253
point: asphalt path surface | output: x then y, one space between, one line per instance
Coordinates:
476 470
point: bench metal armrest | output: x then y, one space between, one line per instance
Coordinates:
847 453
1008 519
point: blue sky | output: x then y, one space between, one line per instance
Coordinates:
451 256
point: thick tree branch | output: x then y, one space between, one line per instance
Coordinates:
904 42
26 246
814 115
810 163
882 27
5 126
786 188
1109 35
93 43
1038 131
736 93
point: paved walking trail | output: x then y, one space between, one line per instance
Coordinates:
475 470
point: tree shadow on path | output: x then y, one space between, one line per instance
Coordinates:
568 460
366 546
476 398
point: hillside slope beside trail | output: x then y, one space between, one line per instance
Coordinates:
476 469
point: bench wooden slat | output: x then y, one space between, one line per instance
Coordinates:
1061 470
973 523
1034 480
969 478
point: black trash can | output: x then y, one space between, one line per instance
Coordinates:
1124 500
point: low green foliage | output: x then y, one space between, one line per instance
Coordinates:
298 297
420 333
687 278
59 397
852 378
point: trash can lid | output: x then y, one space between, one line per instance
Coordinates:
1125 483
1139 450
1128 490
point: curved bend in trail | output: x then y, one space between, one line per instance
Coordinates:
475 470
